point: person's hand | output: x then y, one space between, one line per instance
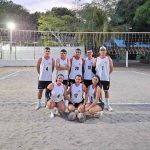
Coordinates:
87 109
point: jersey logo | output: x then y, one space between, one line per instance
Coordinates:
58 96
76 68
89 67
47 68
76 95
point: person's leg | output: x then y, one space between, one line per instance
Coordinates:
81 113
39 95
106 86
87 105
51 104
71 108
81 108
95 109
61 106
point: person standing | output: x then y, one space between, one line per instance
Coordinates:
77 66
63 66
93 102
88 74
104 67
45 67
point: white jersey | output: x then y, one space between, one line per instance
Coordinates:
45 70
63 63
57 93
91 94
102 68
76 68
88 74
76 93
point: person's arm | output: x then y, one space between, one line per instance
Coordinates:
53 64
48 91
38 65
85 92
70 65
83 62
69 90
86 96
65 94
58 64
110 65
94 66
59 67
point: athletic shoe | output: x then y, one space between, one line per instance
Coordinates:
52 115
109 108
98 114
56 112
38 105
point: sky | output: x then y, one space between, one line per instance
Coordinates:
43 5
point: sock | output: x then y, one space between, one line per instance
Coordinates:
107 101
39 100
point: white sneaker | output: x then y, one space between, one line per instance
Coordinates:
38 105
98 114
52 115
109 108
56 112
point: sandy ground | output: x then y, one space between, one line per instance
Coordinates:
23 128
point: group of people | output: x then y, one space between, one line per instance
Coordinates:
79 82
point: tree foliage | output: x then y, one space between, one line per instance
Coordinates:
92 17
127 14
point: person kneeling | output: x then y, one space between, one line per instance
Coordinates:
76 91
93 103
55 93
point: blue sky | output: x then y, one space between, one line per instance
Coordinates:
43 5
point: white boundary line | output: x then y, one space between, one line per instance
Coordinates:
130 103
7 103
9 75
137 72
141 73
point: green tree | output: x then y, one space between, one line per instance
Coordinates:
91 18
123 16
141 19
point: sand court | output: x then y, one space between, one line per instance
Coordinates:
22 127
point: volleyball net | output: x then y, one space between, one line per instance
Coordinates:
137 44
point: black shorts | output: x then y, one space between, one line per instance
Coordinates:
76 105
43 84
105 85
71 81
101 104
65 82
87 82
